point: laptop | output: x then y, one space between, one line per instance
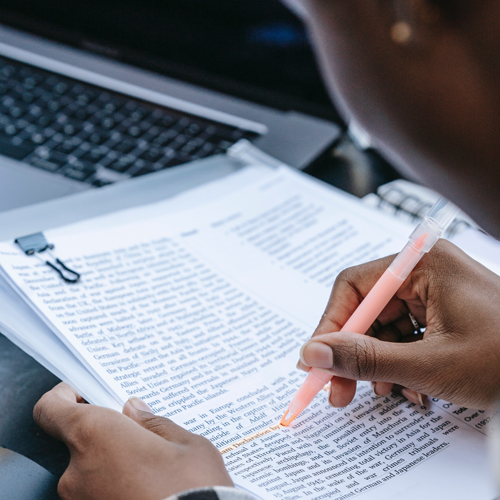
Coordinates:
87 98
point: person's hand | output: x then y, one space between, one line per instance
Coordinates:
126 457
456 359
421 77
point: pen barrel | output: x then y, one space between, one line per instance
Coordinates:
314 382
373 304
407 259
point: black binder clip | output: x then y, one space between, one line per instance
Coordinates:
35 244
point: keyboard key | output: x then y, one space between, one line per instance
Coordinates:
107 123
68 146
9 130
18 152
83 114
28 97
100 182
60 88
139 114
71 129
205 150
153 132
77 89
112 106
178 159
38 139
54 106
17 111
164 121
85 97
25 71
193 129
165 137
44 164
123 163
45 120
143 171
226 134
95 155
192 146
125 146
8 71
178 142
80 171
225 144
134 131
182 124
98 137
34 113
153 155
77 175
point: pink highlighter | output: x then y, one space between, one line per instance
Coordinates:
423 238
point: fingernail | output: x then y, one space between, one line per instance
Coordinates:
298 365
317 354
301 366
301 355
420 399
374 388
411 396
139 404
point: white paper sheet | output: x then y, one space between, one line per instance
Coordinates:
201 313
481 247
22 326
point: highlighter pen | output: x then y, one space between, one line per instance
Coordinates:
423 238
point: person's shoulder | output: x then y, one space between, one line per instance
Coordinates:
215 493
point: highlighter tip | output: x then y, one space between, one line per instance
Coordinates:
287 418
284 422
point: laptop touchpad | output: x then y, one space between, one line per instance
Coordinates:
22 185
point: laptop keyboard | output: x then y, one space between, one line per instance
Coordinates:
97 136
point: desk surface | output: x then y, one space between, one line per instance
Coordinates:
23 381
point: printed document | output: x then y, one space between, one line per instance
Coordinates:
201 313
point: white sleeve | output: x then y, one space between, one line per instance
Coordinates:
215 493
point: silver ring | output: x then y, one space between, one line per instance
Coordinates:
414 322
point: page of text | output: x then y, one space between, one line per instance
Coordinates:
202 314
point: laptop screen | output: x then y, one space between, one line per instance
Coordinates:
254 49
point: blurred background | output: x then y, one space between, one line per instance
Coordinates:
256 49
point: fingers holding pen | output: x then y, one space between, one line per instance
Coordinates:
358 357
355 362
350 288
453 297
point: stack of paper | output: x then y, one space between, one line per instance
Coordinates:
201 313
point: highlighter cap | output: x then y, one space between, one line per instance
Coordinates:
423 238
442 213
433 226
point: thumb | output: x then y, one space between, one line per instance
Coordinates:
140 412
359 357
